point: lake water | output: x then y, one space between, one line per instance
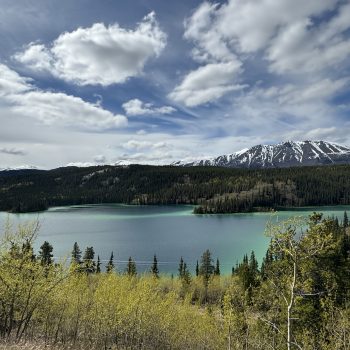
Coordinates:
167 231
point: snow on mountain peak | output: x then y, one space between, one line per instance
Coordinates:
284 154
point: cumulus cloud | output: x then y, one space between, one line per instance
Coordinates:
207 83
137 107
12 151
36 56
99 54
50 108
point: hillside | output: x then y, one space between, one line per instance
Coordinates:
217 190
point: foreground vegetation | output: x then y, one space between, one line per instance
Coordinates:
297 299
214 190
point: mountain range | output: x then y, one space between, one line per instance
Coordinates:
282 155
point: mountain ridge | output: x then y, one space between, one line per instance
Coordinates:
281 155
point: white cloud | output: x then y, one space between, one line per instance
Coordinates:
12 151
210 44
81 164
100 158
303 47
219 74
36 56
316 92
283 29
99 54
250 25
138 145
11 82
207 83
53 107
137 107
305 39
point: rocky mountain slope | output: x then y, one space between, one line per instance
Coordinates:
286 154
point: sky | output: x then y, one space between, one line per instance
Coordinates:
88 82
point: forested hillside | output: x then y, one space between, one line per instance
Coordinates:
215 190
297 299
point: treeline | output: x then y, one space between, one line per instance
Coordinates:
212 189
297 299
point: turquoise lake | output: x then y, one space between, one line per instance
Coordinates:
167 231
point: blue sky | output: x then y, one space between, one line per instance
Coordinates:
94 82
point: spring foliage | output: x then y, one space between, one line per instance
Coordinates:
298 299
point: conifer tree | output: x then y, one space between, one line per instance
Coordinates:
345 220
154 268
131 267
88 260
253 269
217 268
266 264
186 276
181 267
206 268
76 254
45 253
197 269
243 272
28 250
98 265
110 264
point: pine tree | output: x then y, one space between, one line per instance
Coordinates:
244 273
197 269
154 268
28 251
110 264
206 268
98 265
253 264
346 220
181 268
186 276
131 267
88 260
217 268
45 254
76 254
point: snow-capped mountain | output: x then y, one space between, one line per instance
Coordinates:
286 154
20 167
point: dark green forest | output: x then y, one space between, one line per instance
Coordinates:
212 189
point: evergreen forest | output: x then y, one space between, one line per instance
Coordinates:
211 189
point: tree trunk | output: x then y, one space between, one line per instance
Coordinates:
290 307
